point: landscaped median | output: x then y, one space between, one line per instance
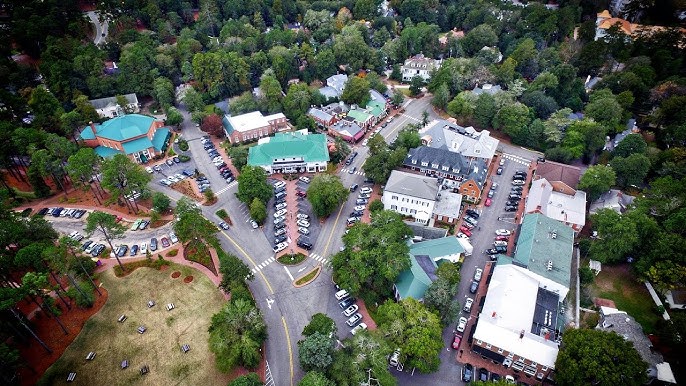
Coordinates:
308 277
291 258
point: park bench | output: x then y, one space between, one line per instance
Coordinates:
170 306
90 356
145 369
141 329
71 377
185 348
124 364
122 318
151 303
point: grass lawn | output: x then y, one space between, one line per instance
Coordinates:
618 284
159 346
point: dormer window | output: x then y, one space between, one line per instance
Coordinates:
445 168
414 162
425 164
434 165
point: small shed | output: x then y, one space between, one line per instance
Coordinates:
595 266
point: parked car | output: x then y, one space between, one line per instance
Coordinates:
280 206
473 213
512 203
456 341
499 171
279 225
518 182
280 247
303 223
353 187
483 375
354 320
467 372
134 250
144 248
254 225
223 225
303 231
173 238
280 239
488 202
280 231
351 310
305 179
502 162
491 193
366 190
361 201
360 327
302 216
153 244
510 208
478 272
165 242
122 250
503 232
304 244
474 287
466 231
360 208
468 305
301 193
345 303
462 324
502 238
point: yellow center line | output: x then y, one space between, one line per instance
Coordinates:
271 291
288 343
333 228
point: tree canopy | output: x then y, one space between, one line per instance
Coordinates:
326 193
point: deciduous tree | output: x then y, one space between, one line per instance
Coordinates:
597 180
356 91
252 183
326 193
316 352
212 124
237 333
258 211
106 225
631 170
631 144
589 357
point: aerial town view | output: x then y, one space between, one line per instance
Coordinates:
343 192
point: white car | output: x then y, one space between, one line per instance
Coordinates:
281 206
302 216
366 190
280 247
518 182
351 310
468 305
254 224
279 232
360 327
365 142
180 176
303 223
478 273
500 243
303 231
173 238
360 208
144 248
89 249
461 235
279 184
172 179
462 324
217 158
502 162
280 213
503 232
149 169
279 219
305 179
342 294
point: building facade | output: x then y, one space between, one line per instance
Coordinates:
420 66
252 126
411 195
138 136
294 152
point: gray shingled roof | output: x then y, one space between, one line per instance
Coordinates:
412 185
466 169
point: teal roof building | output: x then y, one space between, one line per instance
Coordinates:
425 257
291 152
138 136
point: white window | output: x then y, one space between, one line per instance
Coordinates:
425 164
394 198
414 162
445 168
500 351
488 345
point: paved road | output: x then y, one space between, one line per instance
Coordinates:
101 28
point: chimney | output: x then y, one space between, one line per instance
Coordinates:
521 334
493 314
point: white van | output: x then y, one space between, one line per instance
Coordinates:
342 294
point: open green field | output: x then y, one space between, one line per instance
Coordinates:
618 284
160 346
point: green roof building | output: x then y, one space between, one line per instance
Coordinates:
545 247
377 109
363 119
291 152
138 136
425 257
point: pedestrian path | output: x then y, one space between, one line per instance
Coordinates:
262 265
518 159
412 118
358 172
319 258
268 379
231 185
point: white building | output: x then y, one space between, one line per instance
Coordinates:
411 195
108 107
446 134
567 208
420 66
252 126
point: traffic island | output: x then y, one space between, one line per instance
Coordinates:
291 258
308 277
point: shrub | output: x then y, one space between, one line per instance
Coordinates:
375 205
183 145
173 253
240 291
184 158
221 213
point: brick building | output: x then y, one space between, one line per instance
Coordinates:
252 126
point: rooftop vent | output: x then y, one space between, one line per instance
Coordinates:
553 235
549 266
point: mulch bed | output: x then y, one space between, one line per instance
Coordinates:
49 331
188 279
175 274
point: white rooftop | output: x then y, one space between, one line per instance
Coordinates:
567 208
253 120
448 204
508 310
467 141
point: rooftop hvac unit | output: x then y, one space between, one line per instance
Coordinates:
553 235
550 265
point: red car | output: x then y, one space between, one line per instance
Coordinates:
488 202
501 238
456 342
465 231
301 193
